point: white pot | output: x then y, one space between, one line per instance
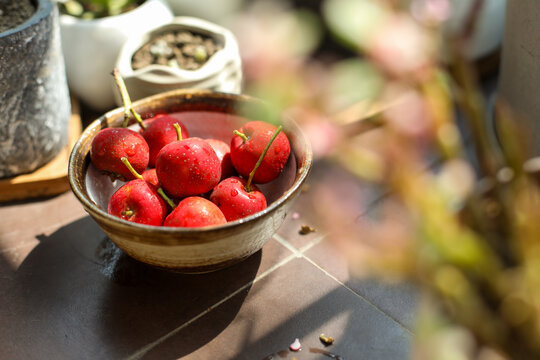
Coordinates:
91 48
222 72
489 28
212 10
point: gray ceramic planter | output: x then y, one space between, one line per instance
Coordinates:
34 97
519 79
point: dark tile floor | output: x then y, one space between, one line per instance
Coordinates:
69 293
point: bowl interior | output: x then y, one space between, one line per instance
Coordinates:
205 114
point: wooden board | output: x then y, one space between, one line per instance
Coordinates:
50 179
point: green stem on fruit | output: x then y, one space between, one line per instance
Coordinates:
242 135
178 131
131 169
252 173
127 213
138 118
166 198
128 106
139 176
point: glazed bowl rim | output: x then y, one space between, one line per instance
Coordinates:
300 176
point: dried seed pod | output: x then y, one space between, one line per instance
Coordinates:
306 229
326 340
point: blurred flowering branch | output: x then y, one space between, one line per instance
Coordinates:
473 246
463 224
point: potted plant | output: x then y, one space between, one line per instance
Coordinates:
92 40
213 10
34 98
184 53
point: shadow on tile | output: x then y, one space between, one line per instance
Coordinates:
275 313
165 300
398 299
78 296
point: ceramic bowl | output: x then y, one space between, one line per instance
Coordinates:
206 114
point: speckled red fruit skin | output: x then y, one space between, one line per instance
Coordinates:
188 167
195 211
111 144
234 201
160 132
223 152
244 155
143 199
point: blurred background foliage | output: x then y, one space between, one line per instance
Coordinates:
378 86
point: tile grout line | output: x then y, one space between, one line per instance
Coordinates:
141 352
305 248
357 294
300 253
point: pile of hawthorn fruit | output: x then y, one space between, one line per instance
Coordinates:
211 181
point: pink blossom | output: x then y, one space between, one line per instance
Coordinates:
401 47
323 135
409 114
430 11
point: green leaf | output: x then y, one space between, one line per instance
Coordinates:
352 21
353 80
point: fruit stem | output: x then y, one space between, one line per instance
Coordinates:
128 106
166 198
242 135
131 169
252 173
178 131
127 213
139 176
